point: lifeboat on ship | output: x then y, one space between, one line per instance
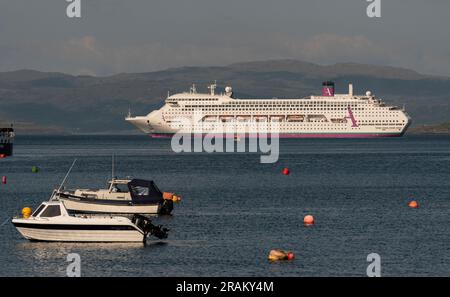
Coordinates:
243 118
295 118
277 118
260 118
226 118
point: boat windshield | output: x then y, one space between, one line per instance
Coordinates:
51 211
119 188
38 210
143 191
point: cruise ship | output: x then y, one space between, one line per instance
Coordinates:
328 115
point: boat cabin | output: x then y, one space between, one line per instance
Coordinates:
136 191
118 186
115 189
50 209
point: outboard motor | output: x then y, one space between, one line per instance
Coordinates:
166 207
145 224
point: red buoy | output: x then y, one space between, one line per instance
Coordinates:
413 204
308 220
2 156
4 180
286 171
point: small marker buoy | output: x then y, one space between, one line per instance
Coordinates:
34 169
286 171
290 256
308 220
4 180
413 204
176 198
2 156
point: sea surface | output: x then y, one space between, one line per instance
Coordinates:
235 209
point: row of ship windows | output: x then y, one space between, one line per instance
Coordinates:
371 110
264 108
315 127
330 114
379 121
384 124
194 99
313 123
277 103
270 105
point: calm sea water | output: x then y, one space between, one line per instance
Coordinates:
234 209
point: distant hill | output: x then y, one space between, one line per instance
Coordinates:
443 128
88 104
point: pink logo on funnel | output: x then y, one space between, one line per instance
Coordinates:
328 89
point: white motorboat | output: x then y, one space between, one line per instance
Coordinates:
52 222
121 196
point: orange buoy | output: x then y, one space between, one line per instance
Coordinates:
26 212
168 195
286 171
279 255
308 220
4 180
413 204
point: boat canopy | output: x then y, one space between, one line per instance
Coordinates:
144 191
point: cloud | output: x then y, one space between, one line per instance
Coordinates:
329 48
88 55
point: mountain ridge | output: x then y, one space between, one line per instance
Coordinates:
98 104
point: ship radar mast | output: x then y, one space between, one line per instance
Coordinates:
212 88
193 89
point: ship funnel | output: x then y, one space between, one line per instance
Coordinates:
328 89
350 89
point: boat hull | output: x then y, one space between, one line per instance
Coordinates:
6 149
79 233
79 206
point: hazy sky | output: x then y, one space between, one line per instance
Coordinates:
115 36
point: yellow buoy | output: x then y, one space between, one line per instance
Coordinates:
26 212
